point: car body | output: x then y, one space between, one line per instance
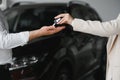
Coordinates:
67 55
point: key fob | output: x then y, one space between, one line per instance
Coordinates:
56 21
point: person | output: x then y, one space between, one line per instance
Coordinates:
12 40
110 29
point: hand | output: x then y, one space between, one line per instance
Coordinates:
66 18
44 31
49 30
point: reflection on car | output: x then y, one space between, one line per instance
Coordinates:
67 55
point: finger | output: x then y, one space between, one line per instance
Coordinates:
60 15
56 30
62 21
50 27
60 28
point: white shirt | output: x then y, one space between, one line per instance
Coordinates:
9 40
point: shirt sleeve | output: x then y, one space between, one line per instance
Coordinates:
104 29
12 40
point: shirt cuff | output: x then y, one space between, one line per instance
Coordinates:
24 37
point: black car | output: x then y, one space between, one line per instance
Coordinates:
67 55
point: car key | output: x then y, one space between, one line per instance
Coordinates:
56 21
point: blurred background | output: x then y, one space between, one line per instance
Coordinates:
107 9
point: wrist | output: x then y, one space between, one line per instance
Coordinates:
71 20
34 34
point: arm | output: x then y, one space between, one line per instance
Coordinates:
8 41
105 29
